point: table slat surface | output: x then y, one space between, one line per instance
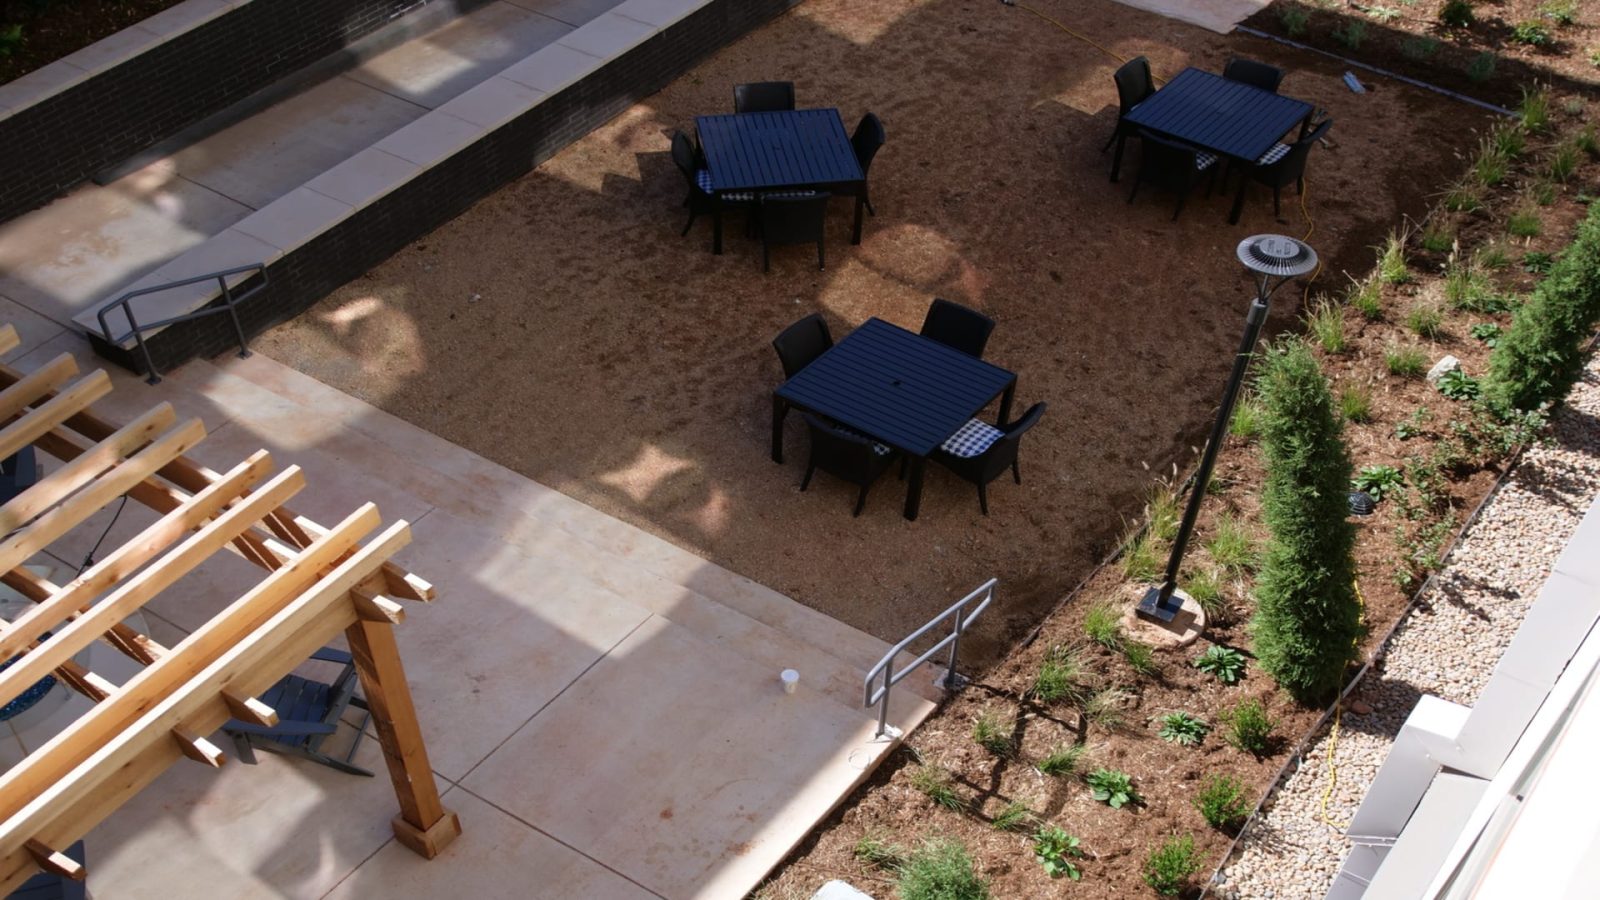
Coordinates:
1228 117
770 150
903 389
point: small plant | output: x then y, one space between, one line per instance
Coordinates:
1062 761
1056 850
1355 402
1367 298
1524 223
1534 110
1481 69
1326 321
1392 261
1536 263
1169 867
993 732
1205 587
1465 287
1411 426
1222 663
1563 162
1419 49
1378 481
1014 817
1464 197
1294 20
1487 332
1588 140
1383 14
1183 729
1103 625
1509 141
941 870
1456 14
1232 546
11 39
935 783
1164 513
1141 658
1249 727
1490 166
1141 561
1425 319
1060 678
1533 33
873 850
1458 385
1437 237
1405 362
1561 12
1350 35
1543 192
1223 802
1105 707
1111 787
1246 421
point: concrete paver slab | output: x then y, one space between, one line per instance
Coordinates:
573 12
364 177
33 330
438 66
1216 15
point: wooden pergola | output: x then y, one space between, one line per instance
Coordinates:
317 582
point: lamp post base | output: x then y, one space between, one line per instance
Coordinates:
1184 627
1152 609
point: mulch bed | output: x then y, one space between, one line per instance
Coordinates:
51 29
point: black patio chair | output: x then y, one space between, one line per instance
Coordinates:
308 712
957 326
979 452
792 218
866 140
763 96
801 343
1175 165
700 198
1282 165
1257 74
1134 84
845 454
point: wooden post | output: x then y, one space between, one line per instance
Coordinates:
423 825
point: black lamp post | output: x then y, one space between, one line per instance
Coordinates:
1269 256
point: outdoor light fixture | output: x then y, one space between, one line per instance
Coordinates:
1362 504
1269 257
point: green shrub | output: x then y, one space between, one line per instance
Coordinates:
1405 362
1224 802
1307 617
1543 192
1355 403
1481 69
1326 322
993 732
1183 729
1294 19
1509 141
1141 658
1490 167
1205 587
1015 816
1223 663
1534 110
935 783
1392 261
1588 140
1411 426
1524 222
1464 197
1246 422
11 39
1056 850
1164 514
1249 727
1466 287
1060 678
1350 35
941 870
1561 12
1487 332
1378 481
1419 49
1437 237
1142 560
1062 761
1103 625
1563 162
1367 298
1425 318
1231 546
1458 385
1111 787
1540 357
1533 33
1456 14
1493 256
1536 263
1169 867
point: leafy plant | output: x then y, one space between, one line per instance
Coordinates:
874 851
1223 663
1055 850
1294 19
1561 12
1140 657
1351 34
1419 49
1411 426
1378 481
1456 14
1183 729
1487 332
1111 787
1060 677
1425 318
1367 298
1224 802
1062 760
1105 707
1383 13
1392 261
1015 816
1326 321
1248 726
1405 362
1355 403
1481 69
1246 421
1458 385
935 783
1533 33
1536 263
1103 625
993 732
1169 867
941 870
1307 617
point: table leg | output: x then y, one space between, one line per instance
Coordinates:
855 236
1005 402
716 224
780 409
914 490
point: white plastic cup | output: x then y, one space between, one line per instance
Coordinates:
790 679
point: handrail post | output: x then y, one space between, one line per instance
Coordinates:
233 314
883 702
951 679
151 375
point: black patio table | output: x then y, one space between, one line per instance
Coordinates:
899 388
1231 118
794 149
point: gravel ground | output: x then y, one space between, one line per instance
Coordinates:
1447 645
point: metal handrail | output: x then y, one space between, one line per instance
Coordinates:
879 693
136 330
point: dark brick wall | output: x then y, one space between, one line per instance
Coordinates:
301 278
103 120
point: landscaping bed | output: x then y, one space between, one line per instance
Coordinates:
35 33
1434 289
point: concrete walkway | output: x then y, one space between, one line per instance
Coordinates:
80 251
1215 15
601 708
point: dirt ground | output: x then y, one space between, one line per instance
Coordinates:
563 328
47 31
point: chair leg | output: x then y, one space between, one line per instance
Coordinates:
1277 207
1016 471
861 500
1238 201
1183 197
1116 158
983 498
811 469
689 224
867 199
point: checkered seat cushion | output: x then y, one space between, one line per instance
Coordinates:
703 179
1277 152
1204 160
787 195
972 439
880 449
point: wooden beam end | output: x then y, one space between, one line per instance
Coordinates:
198 748
55 862
249 709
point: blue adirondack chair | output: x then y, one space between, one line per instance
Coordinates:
308 712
